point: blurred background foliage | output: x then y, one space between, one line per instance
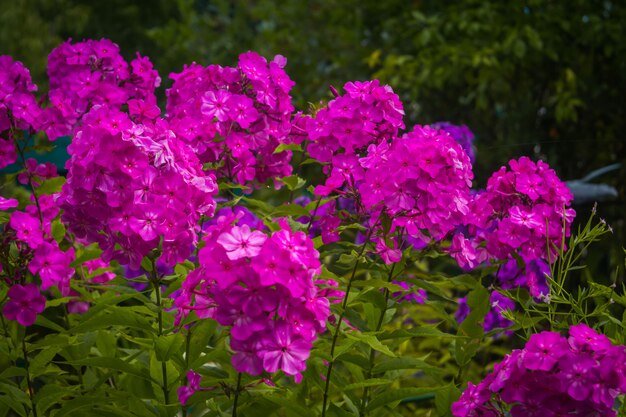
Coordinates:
540 78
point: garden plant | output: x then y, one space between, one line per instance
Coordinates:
222 253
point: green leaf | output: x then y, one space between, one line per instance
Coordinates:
11 372
373 382
49 395
201 334
77 403
378 283
44 322
43 358
294 210
146 264
15 395
51 186
293 182
395 364
444 399
393 397
113 316
12 404
106 343
370 340
114 364
472 327
287 147
423 331
478 303
90 253
291 405
166 346
57 230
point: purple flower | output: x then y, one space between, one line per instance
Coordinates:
543 351
25 302
283 350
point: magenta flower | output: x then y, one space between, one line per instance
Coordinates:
543 350
263 289
215 105
186 391
584 339
240 242
25 302
242 111
27 228
53 266
532 382
7 203
282 350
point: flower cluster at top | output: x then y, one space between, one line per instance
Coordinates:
552 376
93 73
18 106
132 187
523 210
235 117
420 180
263 287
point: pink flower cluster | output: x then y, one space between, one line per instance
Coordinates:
235 117
24 303
263 287
37 252
367 115
133 187
90 73
421 181
18 105
552 376
523 209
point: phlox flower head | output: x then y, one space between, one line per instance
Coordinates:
262 287
18 105
552 376
134 186
24 303
94 73
235 117
364 118
422 182
523 209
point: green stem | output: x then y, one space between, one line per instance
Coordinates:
319 200
236 400
187 347
28 380
340 320
157 291
379 324
20 151
6 332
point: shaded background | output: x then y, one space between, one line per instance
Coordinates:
545 79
